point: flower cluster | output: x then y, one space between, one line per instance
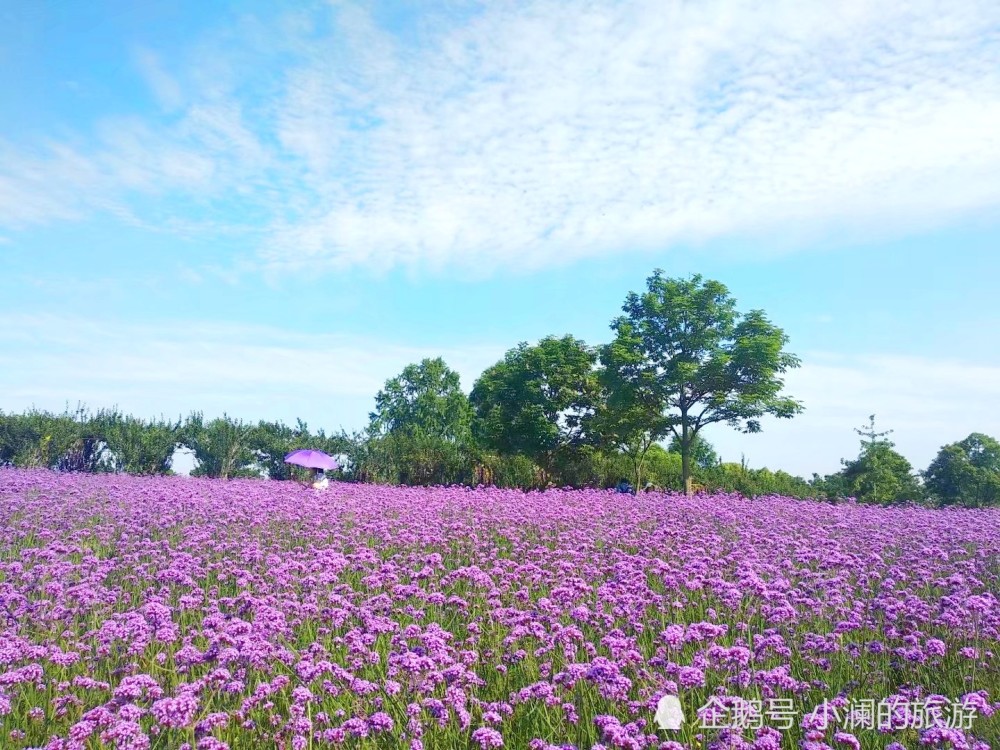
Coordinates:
208 615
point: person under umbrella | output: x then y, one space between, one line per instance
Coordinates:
317 461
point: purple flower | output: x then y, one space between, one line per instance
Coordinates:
486 738
936 647
176 712
470 605
356 727
381 722
691 677
845 738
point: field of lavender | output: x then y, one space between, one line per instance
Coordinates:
186 613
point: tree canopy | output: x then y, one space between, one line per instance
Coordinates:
628 415
425 397
703 455
700 360
880 474
966 473
537 400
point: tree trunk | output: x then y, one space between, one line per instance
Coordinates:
640 462
632 451
686 440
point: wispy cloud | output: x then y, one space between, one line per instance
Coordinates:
528 135
166 89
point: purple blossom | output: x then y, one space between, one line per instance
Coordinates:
263 604
381 722
691 677
486 738
176 712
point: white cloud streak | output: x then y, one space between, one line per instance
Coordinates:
530 135
167 90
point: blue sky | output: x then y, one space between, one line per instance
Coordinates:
269 210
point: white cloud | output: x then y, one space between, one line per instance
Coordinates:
526 135
533 135
167 90
259 372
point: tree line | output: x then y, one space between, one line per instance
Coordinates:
113 442
556 413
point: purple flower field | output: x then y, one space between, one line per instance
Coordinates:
187 613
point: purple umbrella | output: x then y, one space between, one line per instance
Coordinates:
311 459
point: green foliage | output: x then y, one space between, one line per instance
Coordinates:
40 439
537 400
879 474
16 439
136 446
703 454
222 447
683 343
426 398
629 414
966 473
420 431
576 466
414 457
832 486
270 442
733 477
512 471
555 413
110 441
664 469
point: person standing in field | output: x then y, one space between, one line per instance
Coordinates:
320 480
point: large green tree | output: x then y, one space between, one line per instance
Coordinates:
537 400
420 431
628 416
880 474
705 362
425 398
966 473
